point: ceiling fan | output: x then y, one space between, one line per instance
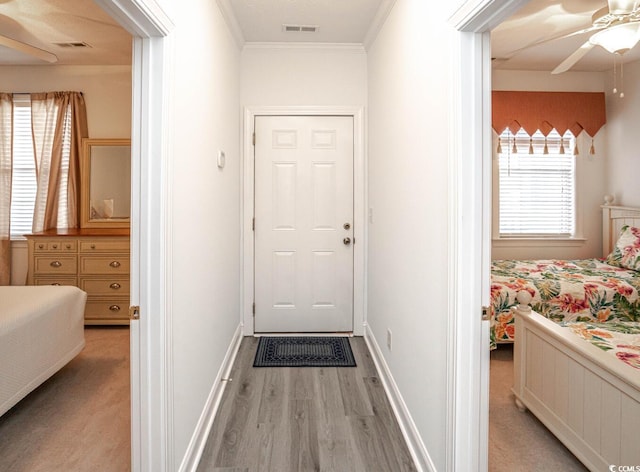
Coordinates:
25 48
616 28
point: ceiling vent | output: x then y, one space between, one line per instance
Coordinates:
73 44
299 28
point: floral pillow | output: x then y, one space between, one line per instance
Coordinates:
626 252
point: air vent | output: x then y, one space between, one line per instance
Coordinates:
73 44
299 28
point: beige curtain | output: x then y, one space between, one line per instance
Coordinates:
6 145
57 118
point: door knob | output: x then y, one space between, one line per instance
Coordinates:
346 241
346 225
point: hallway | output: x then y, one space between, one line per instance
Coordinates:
305 419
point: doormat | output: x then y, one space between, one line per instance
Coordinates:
304 351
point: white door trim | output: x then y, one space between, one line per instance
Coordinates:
469 228
151 346
359 206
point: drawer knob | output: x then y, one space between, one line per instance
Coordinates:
56 264
115 286
93 246
115 264
55 246
114 308
68 246
40 246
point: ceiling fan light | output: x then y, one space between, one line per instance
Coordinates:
623 7
618 39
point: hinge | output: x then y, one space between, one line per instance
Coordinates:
254 139
253 224
253 309
134 312
485 313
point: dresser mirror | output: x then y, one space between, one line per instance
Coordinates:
105 181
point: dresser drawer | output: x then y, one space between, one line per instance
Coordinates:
56 245
107 309
105 287
54 281
56 264
109 245
101 265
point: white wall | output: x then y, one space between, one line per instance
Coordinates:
591 169
303 75
107 94
408 173
106 89
205 245
623 116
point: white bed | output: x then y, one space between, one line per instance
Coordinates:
586 397
41 330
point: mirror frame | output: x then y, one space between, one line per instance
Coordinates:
85 184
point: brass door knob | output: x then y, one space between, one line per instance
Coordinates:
346 241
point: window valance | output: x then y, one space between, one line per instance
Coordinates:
544 111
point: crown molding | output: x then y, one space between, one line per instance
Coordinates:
378 21
232 22
356 47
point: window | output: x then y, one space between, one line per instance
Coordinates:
537 185
24 184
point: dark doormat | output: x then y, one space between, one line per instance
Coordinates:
304 351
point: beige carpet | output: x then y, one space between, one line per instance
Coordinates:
518 441
79 419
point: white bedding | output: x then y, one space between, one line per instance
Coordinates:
41 330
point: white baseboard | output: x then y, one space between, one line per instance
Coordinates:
418 451
201 433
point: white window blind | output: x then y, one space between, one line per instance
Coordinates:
23 186
537 191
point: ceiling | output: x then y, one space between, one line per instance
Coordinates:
338 21
524 42
44 24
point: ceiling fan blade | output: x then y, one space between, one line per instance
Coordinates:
551 39
28 49
573 58
622 7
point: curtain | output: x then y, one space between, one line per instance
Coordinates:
6 145
544 111
59 122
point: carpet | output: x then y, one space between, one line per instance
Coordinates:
304 352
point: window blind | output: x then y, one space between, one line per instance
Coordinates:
536 190
23 186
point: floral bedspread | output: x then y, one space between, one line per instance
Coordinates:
621 339
563 291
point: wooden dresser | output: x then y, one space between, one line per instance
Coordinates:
96 260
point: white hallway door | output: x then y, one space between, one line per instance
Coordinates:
303 224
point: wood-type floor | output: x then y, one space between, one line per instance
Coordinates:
285 419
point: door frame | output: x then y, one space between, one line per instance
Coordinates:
359 207
150 335
470 231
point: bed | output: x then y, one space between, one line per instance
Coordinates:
41 330
571 290
582 381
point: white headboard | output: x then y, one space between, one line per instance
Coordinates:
614 218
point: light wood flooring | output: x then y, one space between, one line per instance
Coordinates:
79 419
305 419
